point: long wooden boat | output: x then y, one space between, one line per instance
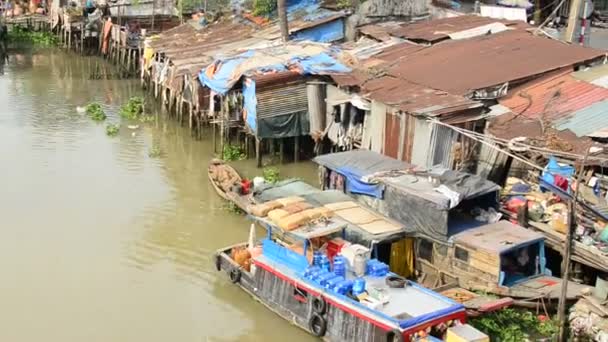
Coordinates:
224 178
281 277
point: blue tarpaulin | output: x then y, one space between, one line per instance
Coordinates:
325 33
355 185
321 64
222 74
250 103
222 80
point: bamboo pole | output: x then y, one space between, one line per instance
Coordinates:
561 311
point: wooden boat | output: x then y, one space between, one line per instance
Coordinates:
279 275
501 258
225 179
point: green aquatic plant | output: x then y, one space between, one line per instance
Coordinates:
231 207
146 118
233 152
154 152
514 325
21 34
133 108
112 130
95 111
271 174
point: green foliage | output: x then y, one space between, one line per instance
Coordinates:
133 108
95 111
154 152
112 130
264 7
146 118
233 208
233 152
271 174
513 325
343 4
20 34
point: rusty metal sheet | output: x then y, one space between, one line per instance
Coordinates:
460 67
413 98
391 136
553 97
432 31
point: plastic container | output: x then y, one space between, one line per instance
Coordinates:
360 264
339 265
316 258
358 286
325 278
331 283
324 263
309 272
343 287
317 275
377 268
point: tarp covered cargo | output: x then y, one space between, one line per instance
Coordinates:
422 200
317 197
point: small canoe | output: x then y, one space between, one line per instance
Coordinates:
224 178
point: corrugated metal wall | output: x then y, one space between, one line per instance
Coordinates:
282 99
392 131
377 126
422 138
442 141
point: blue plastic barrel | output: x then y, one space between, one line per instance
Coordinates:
358 286
339 265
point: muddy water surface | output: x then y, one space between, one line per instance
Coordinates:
99 241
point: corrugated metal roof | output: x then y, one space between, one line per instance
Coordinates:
432 31
460 67
553 97
413 98
588 120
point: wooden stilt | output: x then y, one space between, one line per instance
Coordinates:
258 152
296 149
281 150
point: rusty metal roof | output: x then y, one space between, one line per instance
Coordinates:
460 67
553 97
413 98
432 31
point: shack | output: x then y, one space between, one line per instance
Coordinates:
436 203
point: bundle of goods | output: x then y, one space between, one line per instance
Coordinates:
223 176
242 257
290 213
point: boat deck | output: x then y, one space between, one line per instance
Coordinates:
406 306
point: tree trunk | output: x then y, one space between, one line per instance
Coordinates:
282 9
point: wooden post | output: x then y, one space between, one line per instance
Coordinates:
573 18
282 150
561 310
282 9
296 149
258 152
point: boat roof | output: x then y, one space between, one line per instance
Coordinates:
498 238
308 231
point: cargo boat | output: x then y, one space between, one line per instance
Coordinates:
283 276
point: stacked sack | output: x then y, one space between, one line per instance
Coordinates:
290 213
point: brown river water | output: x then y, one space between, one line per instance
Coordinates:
101 242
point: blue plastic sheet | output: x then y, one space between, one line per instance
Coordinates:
223 79
326 33
320 64
355 185
226 74
250 103
553 168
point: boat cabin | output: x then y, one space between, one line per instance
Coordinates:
500 258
